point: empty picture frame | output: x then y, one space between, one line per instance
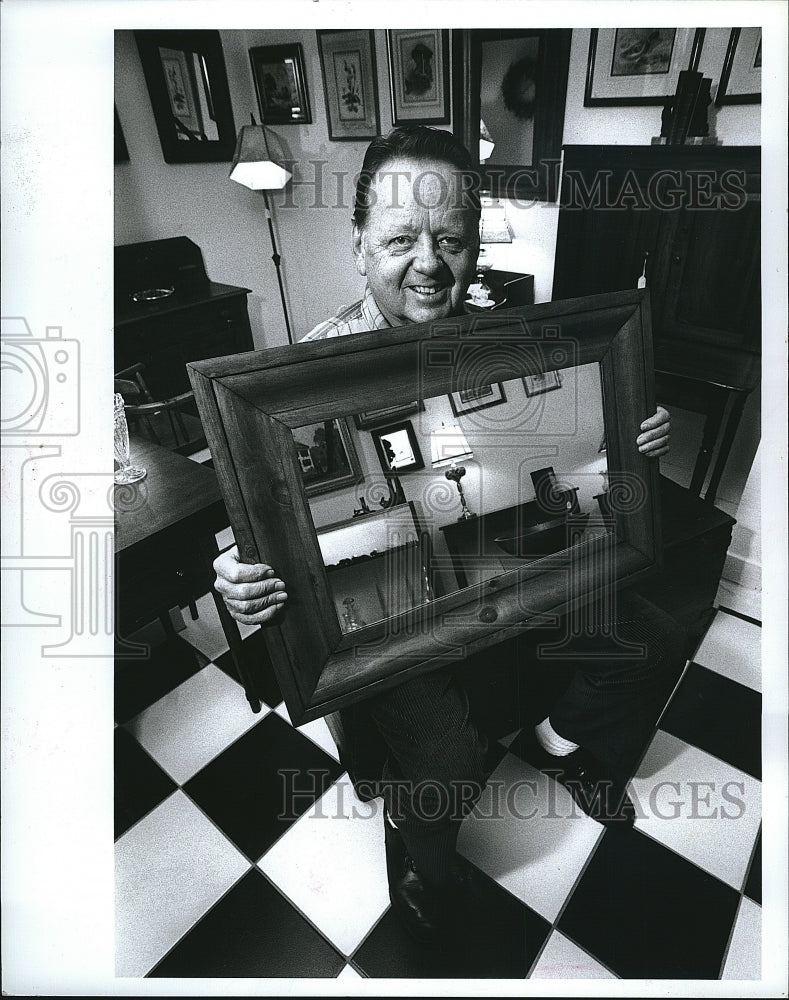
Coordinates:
250 403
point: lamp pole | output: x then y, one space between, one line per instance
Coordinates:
275 256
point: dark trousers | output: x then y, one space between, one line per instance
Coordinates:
423 745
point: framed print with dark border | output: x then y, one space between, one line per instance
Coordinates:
509 110
250 403
280 84
187 84
397 447
385 415
475 398
542 382
628 67
419 75
741 76
349 84
326 455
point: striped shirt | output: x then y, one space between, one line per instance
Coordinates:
361 317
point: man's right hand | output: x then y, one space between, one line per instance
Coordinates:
251 591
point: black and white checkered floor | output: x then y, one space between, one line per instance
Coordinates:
211 883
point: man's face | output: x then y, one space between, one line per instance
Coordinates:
418 248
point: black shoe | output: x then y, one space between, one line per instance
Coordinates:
425 911
593 788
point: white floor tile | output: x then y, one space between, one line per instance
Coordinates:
348 973
169 869
733 648
331 864
317 731
535 857
190 725
743 599
744 960
561 959
698 806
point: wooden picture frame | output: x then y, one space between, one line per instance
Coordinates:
630 67
530 120
281 84
535 385
187 84
371 419
350 84
326 467
741 75
249 404
397 448
475 398
419 75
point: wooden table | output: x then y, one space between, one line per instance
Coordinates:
165 544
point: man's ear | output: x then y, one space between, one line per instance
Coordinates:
358 251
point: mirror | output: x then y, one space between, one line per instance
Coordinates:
534 481
187 84
536 491
510 107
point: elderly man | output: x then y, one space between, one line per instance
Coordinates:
416 241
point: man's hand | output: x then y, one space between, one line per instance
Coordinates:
655 432
251 591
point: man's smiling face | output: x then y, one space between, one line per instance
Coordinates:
418 248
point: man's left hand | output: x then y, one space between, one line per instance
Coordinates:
653 440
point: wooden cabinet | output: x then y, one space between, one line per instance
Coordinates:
692 213
199 319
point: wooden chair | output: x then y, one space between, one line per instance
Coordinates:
172 423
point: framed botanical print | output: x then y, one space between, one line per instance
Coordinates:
349 84
741 76
542 382
419 75
634 66
280 84
326 455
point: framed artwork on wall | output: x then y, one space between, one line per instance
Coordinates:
741 76
475 398
397 447
419 75
542 382
509 110
386 415
280 84
628 67
187 84
327 456
349 84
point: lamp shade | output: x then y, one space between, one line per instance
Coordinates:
252 164
447 445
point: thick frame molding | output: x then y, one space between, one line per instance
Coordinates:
249 403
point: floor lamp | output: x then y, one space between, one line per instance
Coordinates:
255 169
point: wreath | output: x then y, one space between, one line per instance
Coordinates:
518 87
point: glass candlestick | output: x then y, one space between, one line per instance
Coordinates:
125 472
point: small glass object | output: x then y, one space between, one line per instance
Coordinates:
350 617
125 472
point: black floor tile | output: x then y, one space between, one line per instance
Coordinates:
261 784
753 885
140 784
646 912
718 715
253 931
500 941
259 663
140 683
